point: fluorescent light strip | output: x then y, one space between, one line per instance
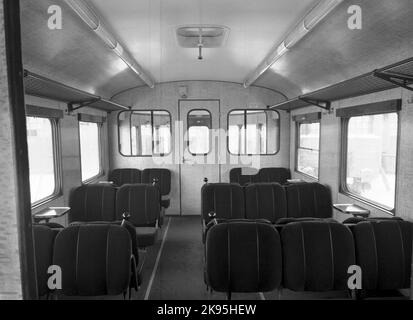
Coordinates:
313 17
88 15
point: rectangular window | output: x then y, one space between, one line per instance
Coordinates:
199 136
370 157
144 133
43 148
90 150
253 132
308 148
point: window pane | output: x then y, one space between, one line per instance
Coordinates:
307 162
310 135
144 133
260 136
199 125
89 150
41 158
141 133
308 148
162 132
371 157
235 132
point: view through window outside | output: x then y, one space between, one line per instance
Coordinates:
144 133
259 136
41 158
89 150
371 157
308 148
199 125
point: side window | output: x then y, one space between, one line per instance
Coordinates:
144 133
90 150
308 148
42 142
253 132
370 157
199 135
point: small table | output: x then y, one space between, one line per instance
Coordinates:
50 213
353 209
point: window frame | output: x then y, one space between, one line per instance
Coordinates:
101 157
343 189
297 146
153 142
245 132
209 133
57 160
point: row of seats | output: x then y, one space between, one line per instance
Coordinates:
255 256
95 259
278 175
105 203
159 176
269 201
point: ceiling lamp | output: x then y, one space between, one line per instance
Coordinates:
313 17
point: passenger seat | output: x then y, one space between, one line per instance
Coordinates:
95 259
265 201
384 253
44 238
243 256
141 203
316 255
308 200
92 202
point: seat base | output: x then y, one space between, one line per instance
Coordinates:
147 236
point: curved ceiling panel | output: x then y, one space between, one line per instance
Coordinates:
74 55
332 52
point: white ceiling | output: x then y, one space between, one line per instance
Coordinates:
329 54
147 29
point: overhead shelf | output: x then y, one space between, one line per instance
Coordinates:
399 74
43 87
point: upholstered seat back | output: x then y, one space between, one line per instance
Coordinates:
141 202
243 256
125 176
95 259
226 200
316 255
92 202
265 201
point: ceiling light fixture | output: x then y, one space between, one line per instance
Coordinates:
89 16
313 17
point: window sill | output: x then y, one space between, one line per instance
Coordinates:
94 179
304 175
46 202
374 208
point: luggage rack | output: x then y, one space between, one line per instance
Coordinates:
39 86
396 75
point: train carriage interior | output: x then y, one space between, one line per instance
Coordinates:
206 149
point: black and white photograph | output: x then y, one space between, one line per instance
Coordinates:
206 158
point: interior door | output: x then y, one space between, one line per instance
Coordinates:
199 150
